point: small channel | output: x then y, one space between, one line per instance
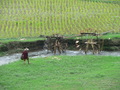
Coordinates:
15 57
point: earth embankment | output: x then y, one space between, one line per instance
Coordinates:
109 45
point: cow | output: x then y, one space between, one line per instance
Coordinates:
55 43
89 44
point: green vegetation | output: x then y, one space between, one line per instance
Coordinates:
70 36
107 36
62 73
2 53
111 36
27 39
31 18
105 1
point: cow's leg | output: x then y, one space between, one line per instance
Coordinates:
54 50
86 49
102 45
93 48
99 49
59 49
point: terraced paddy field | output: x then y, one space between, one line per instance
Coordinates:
31 18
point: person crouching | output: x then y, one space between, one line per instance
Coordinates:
25 55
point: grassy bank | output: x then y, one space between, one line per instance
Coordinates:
24 39
107 36
70 36
62 73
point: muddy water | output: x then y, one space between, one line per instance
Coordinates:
14 57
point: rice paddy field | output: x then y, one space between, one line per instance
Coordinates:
31 18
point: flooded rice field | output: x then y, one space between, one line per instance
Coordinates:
15 57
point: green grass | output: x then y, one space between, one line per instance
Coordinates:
62 73
105 1
70 36
111 36
26 39
107 36
31 18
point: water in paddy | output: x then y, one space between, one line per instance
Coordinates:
14 57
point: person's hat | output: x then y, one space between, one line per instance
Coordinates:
26 49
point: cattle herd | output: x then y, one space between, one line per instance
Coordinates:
59 43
